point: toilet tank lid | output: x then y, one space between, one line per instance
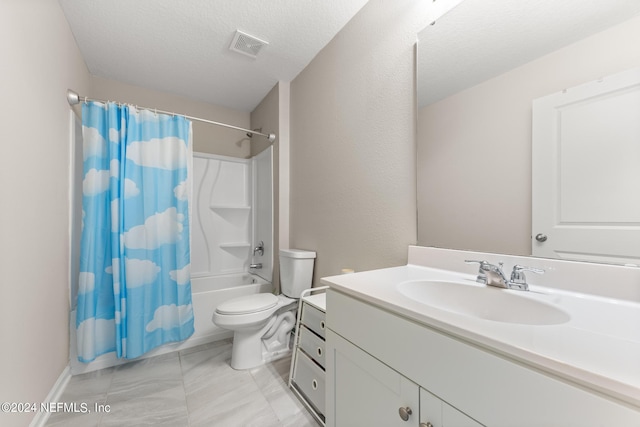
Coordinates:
297 253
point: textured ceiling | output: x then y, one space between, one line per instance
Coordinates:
182 47
480 39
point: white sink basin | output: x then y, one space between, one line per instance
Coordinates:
484 302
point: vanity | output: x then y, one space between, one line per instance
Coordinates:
427 345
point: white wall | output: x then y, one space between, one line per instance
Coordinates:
40 60
474 147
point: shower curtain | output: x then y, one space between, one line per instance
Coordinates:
134 287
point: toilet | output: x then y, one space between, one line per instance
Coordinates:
261 323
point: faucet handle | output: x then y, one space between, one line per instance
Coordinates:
487 266
483 264
482 270
517 275
259 249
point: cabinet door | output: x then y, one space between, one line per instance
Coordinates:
434 412
362 391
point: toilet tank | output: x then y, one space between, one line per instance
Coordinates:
296 271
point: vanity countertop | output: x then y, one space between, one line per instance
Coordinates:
597 348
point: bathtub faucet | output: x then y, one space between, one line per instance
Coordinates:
259 249
259 265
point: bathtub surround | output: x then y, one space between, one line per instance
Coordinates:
135 269
232 213
227 219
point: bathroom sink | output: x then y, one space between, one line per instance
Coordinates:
484 302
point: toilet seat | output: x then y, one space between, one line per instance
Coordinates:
248 304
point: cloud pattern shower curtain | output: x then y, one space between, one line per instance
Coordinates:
134 288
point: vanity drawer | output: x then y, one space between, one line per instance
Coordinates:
309 378
313 319
312 345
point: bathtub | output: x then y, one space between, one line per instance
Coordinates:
206 294
209 292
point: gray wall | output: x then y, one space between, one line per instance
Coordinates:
353 182
207 138
40 61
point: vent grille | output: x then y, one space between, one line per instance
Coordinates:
247 45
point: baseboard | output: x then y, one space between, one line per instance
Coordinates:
54 395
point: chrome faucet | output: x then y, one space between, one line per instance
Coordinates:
258 265
519 280
492 275
259 249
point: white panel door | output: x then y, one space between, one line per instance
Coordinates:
586 172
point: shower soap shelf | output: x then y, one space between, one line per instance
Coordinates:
236 207
232 245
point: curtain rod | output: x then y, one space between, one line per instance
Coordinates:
73 98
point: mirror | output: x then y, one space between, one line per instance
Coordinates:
480 66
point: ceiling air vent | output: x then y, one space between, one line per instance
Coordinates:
247 45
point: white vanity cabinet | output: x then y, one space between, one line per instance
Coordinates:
437 413
369 393
365 391
379 361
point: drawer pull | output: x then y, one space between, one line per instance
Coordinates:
405 412
314 384
322 325
319 351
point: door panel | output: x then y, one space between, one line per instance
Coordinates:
586 172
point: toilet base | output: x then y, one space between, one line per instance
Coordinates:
254 348
246 352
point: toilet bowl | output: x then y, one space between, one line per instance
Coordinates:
261 323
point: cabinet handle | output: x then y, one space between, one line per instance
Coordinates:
319 351
314 384
427 424
405 412
322 325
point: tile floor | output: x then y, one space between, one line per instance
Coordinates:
193 387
